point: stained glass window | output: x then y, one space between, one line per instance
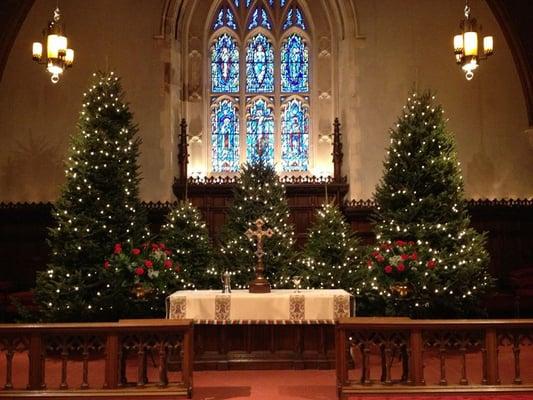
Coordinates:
294 17
259 18
225 136
225 65
294 65
258 118
294 136
260 131
259 65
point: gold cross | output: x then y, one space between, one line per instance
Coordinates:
258 234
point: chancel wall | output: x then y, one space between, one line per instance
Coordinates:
366 57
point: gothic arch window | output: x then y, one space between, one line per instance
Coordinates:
260 85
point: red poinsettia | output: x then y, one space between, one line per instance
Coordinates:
400 261
149 264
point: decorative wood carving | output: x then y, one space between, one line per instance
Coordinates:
452 344
337 151
106 343
183 152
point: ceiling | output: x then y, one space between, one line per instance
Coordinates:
514 17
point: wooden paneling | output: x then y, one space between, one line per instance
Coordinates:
262 346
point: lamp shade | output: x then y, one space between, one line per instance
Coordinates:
37 50
470 44
458 43
56 46
69 57
52 46
488 45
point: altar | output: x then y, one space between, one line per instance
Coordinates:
281 306
283 329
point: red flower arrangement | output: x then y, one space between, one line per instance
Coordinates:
146 268
400 262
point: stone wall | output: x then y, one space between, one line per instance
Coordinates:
384 49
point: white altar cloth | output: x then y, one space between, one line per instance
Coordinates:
278 307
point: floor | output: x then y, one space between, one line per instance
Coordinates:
269 385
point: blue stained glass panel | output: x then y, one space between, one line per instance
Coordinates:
219 22
259 65
295 136
288 20
259 18
265 21
260 132
225 136
282 3
299 19
225 18
230 19
225 65
294 17
248 3
294 65
236 3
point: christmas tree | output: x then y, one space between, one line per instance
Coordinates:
330 254
186 232
420 201
258 194
98 207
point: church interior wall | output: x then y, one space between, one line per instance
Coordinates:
393 47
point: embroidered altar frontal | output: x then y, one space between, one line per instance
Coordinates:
278 307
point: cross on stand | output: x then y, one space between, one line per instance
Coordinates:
260 283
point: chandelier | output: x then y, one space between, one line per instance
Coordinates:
57 56
466 47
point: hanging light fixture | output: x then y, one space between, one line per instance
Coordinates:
57 56
466 46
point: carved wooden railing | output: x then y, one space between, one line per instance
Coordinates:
391 355
108 353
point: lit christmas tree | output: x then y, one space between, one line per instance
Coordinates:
99 207
330 254
258 194
421 202
186 232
